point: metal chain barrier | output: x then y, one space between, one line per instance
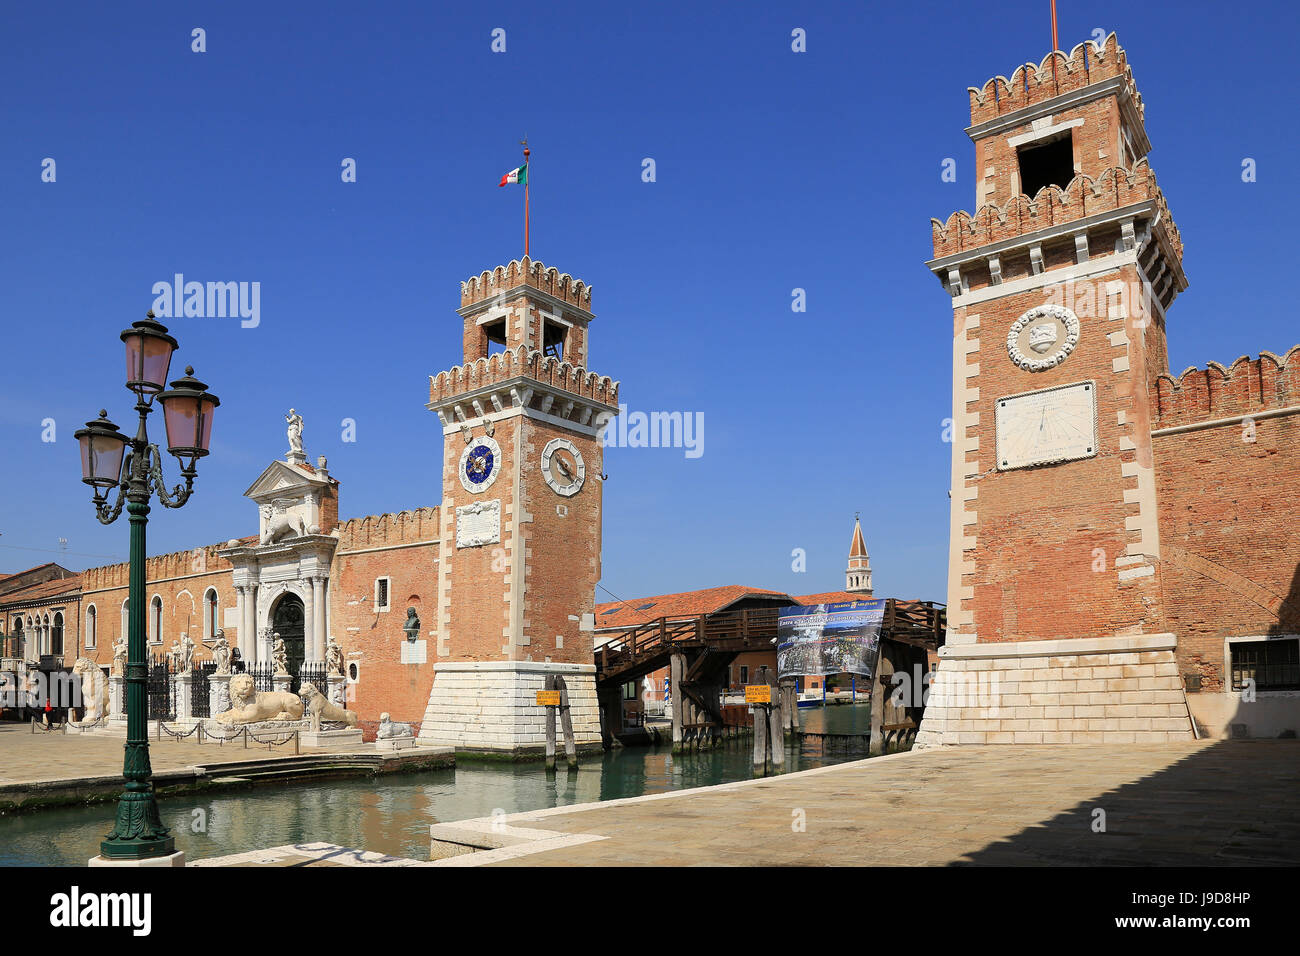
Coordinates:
176 734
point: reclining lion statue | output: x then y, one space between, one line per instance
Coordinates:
320 709
248 706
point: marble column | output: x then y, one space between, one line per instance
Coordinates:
241 598
318 618
308 618
248 643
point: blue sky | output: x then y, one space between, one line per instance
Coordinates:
775 171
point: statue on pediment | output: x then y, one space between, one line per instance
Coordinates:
295 432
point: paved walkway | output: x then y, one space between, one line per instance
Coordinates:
29 758
49 769
1199 803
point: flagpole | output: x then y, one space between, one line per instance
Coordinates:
1056 44
527 177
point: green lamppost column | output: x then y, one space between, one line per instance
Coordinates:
138 837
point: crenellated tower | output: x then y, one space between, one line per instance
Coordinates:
519 555
1059 283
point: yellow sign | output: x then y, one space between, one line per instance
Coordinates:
758 693
548 698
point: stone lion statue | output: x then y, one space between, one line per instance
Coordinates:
320 709
94 690
281 524
389 729
248 706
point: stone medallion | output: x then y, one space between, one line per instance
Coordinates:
1043 337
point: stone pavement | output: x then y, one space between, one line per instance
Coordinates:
1195 803
48 769
27 758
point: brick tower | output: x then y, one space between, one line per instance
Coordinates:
857 578
1059 283
519 555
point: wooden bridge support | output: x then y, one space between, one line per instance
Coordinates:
894 721
609 700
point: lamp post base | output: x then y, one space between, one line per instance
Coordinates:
174 859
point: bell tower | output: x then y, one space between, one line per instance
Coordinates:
857 577
519 555
1059 282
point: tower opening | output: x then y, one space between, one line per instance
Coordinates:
553 336
1046 164
495 333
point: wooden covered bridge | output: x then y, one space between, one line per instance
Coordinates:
699 650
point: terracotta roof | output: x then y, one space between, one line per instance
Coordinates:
46 589
621 614
830 597
680 605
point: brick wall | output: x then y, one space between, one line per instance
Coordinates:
1229 517
403 548
181 579
1047 538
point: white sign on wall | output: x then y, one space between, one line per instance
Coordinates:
478 524
1050 425
415 652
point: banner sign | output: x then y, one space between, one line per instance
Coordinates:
827 639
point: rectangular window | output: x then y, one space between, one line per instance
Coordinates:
1272 665
744 674
1046 164
630 690
381 594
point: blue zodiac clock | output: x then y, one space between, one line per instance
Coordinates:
479 464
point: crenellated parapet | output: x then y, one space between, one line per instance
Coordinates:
1120 212
521 362
1057 74
1246 387
377 531
177 564
517 273
1083 196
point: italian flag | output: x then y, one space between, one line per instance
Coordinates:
519 175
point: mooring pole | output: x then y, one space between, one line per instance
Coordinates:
550 727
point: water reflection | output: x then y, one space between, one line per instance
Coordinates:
392 814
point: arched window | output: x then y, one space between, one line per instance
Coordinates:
210 615
155 620
45 635
56 635
91 627
126 619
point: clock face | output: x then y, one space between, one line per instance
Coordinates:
479 464
563 467
1052 425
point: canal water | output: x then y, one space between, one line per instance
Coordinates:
392 814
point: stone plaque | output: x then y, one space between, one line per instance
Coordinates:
1051 425
478 524
415 652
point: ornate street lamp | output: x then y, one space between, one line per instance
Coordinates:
109 459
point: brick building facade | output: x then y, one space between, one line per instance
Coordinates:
1115 530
